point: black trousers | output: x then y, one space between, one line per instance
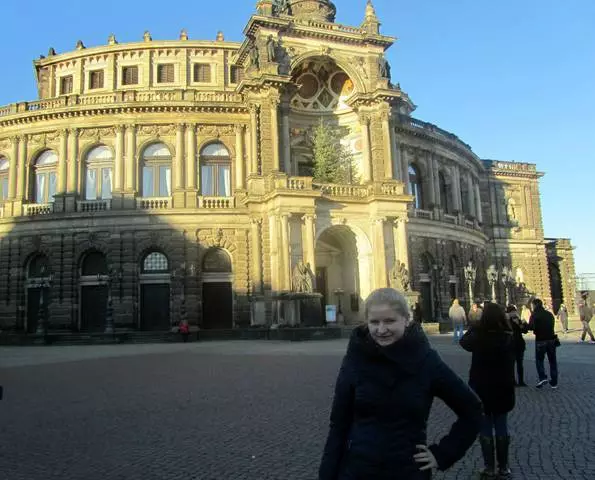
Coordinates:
519 356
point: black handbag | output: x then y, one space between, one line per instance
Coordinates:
556 341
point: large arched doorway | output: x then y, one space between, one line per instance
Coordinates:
93 299
155 292
217 291
344 271
38 300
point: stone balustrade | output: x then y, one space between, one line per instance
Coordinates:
34 209
87 206
153 203
217 202
425 214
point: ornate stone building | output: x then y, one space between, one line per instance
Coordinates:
174 178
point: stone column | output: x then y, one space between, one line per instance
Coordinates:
379 253
274 251
454 190
256 256
436 175
309 241
179 171
192 176
130 185
12 169
367 154
119 160
254 139
470 195
275 133
286 140
400 237
430 182
22 173
397 161
73 162
388 146
286 263
62 156
478 204
239 157
403 155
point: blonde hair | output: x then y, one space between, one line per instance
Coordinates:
390 297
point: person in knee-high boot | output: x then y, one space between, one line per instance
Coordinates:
492 377
519 327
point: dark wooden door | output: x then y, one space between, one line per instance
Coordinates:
33 295
217 305
426 302
93 308
155 307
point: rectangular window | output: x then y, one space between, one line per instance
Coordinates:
165 73
52 184
164 181
66 84
224 181
130 75
40 187
236 74
95 79
3 188
207 175
148 182
106 183
202 73
91 185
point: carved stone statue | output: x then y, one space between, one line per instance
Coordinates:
111 40
80 45
271 55
384 68
302 278
254 57
147 36
399 277
511 210
51 52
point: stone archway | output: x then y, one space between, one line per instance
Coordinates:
344 270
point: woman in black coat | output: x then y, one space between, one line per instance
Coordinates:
492 378
384 392
519 327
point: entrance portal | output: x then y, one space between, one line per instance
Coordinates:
155 307
217 290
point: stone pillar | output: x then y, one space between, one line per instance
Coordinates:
379 253
180 158
73 162
119 160
455 192
256 256
12 169
397 161
367 154
286 137
400 238
436 175
254 139
275 133
388 146
130 185
478 204
404 165
286 262
309 241
62 156
239 157
429 182
192 176
470 195
274 250
22 173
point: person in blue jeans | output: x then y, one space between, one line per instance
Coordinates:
542 323
458 317
492 377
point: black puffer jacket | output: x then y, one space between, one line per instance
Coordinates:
542 324
492 368
380 411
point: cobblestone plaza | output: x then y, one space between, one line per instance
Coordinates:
241 410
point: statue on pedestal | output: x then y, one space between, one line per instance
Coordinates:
254 57
301 280
271 54
399 277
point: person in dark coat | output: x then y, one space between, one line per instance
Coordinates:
492 377
518 329
383 395
418 316
542 324
474 314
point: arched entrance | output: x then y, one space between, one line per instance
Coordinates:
217 291
155 292
93 299
344 270
38 296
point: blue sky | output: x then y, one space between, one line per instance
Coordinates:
513 78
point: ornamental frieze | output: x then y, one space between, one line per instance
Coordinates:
5 144
217 237
215 130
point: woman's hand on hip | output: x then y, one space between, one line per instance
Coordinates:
425 458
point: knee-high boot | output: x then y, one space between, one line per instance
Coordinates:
502 445
489 461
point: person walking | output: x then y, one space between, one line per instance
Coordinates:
383 396
418 316
184 330
542 325
518 329
475 315
563 317
457 316
586 314
491 376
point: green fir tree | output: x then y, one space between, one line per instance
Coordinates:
333 161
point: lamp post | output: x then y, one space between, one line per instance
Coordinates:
505 279
437 294
492 274
45 281
470 272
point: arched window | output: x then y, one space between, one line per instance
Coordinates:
215 171
427 263
38 267
156 168
155 262
46 177
98 175
415 186
445 192
94 263
216 260
3 178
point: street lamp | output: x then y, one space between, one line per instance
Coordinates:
437 294
492 274
506 278
470 272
